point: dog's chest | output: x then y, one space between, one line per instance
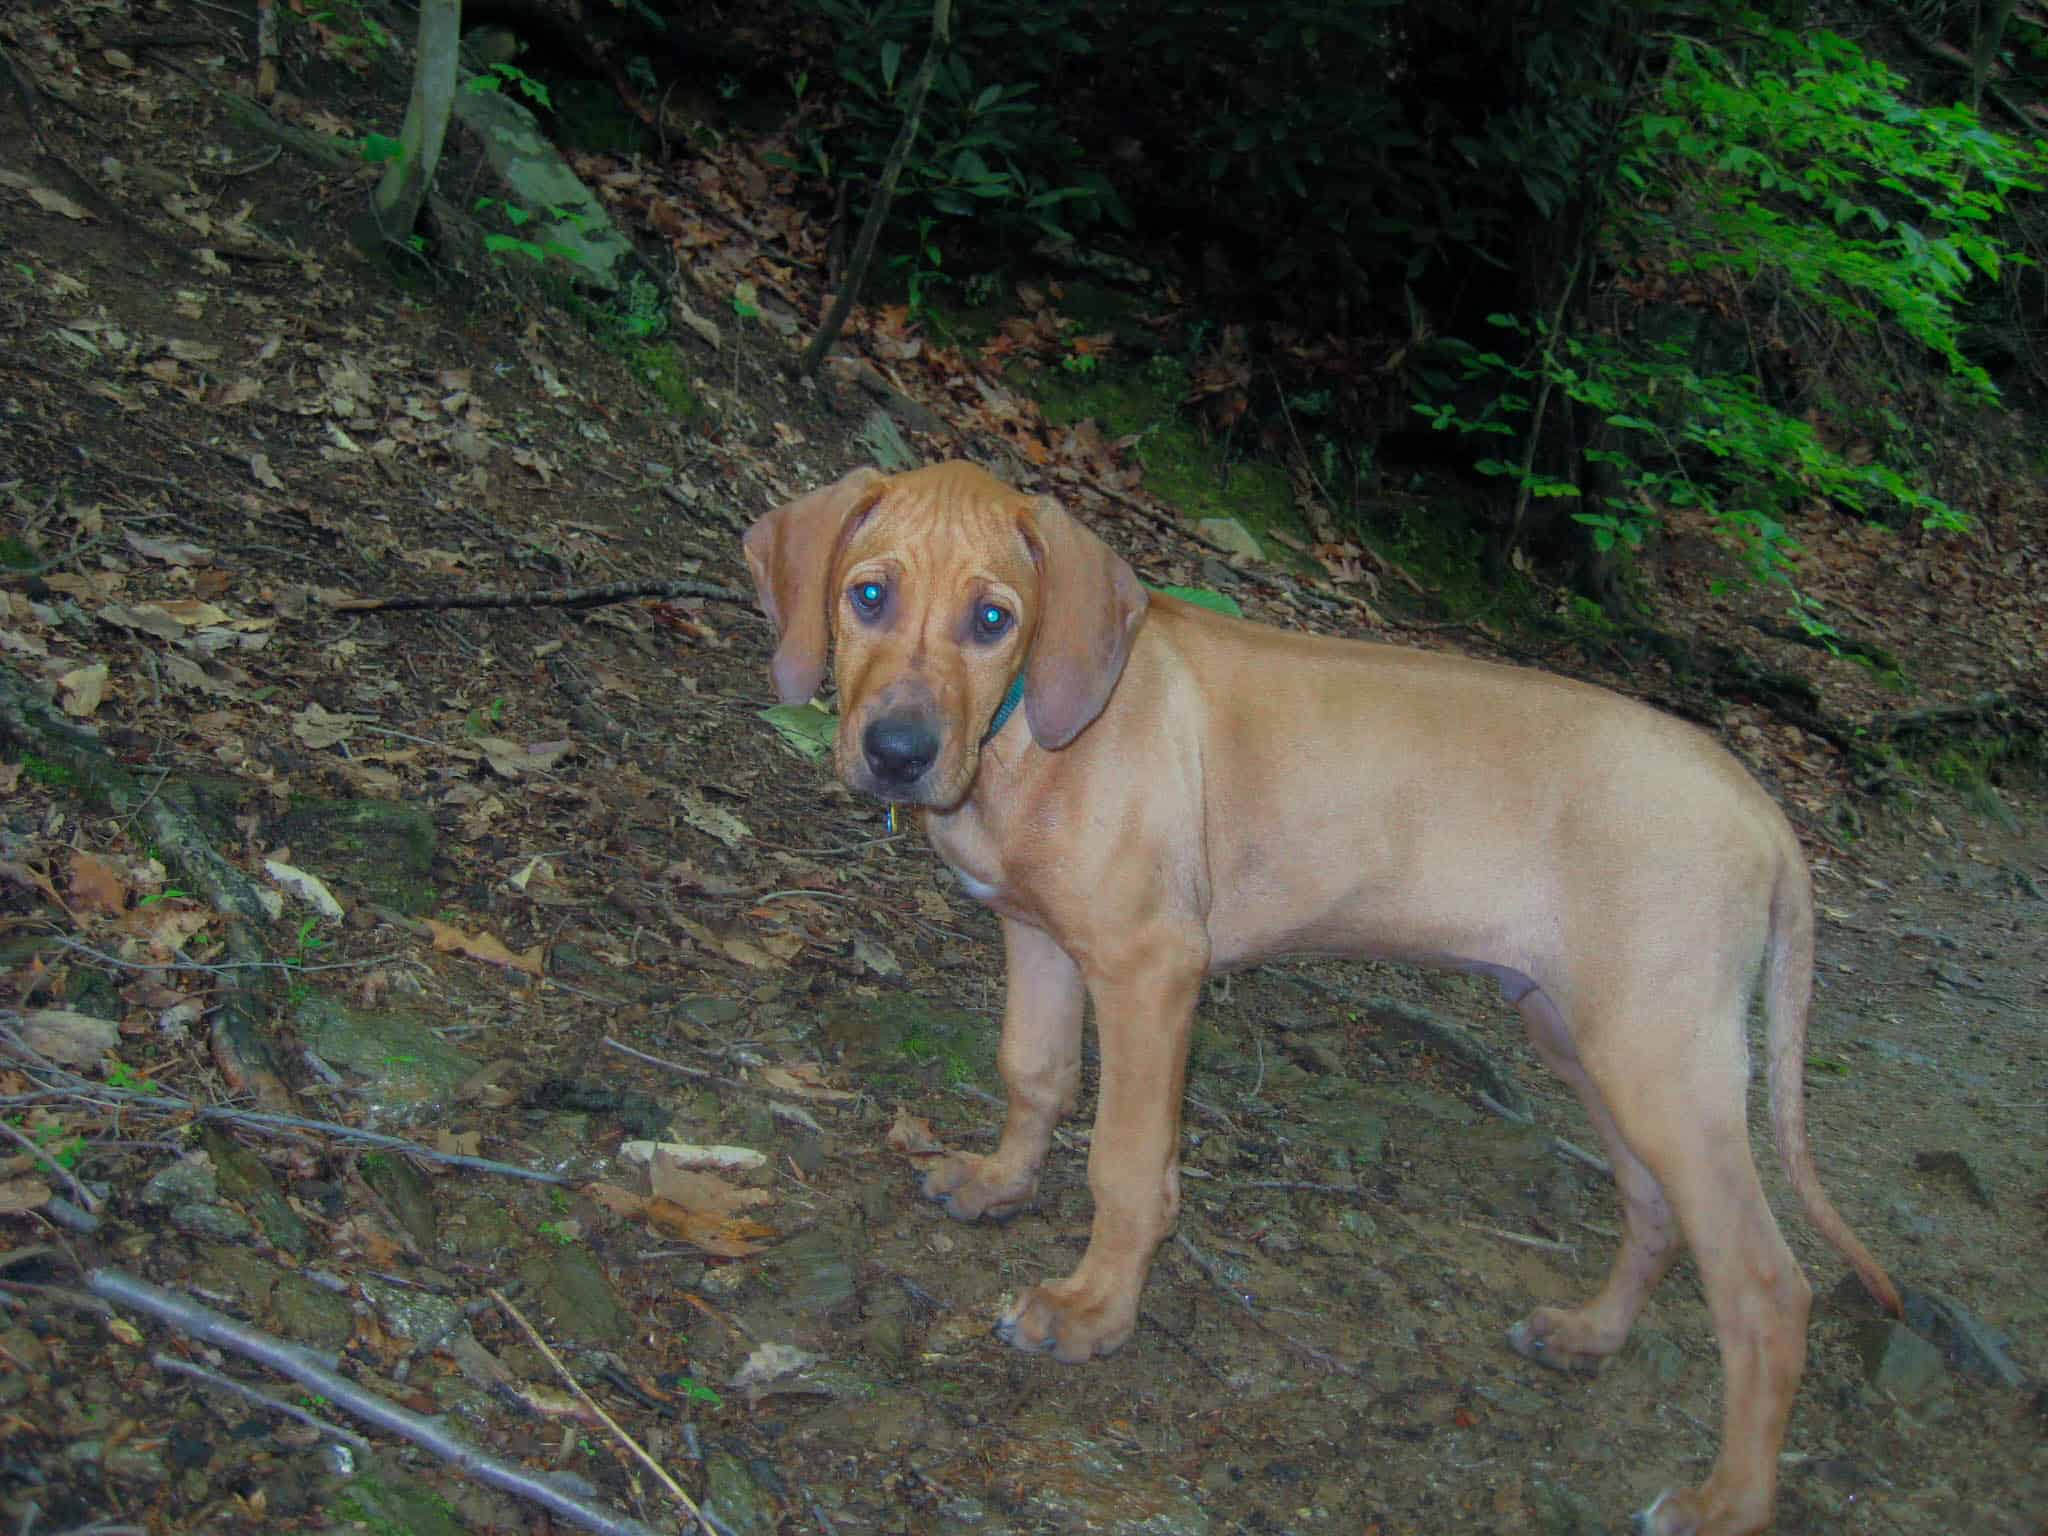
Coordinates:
971 852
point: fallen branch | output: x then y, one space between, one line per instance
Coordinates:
572 597
309 1371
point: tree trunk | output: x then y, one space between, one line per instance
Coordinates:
397 201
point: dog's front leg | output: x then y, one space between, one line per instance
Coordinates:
1145 989
1040 1063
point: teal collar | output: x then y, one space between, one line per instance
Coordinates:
1004 710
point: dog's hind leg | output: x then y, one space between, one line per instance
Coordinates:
1579 1338
1670 1106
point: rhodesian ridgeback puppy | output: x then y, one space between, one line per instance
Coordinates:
1182 792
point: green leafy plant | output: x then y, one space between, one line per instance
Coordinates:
990 149
501 77
1796 177
921 269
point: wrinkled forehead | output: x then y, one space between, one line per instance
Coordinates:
945 537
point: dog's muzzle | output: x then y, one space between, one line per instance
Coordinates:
899 750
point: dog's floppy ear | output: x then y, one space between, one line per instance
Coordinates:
790 552
1090 605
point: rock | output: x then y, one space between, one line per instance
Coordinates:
575 1292
1560 1512
406 1070
380 848
1899 1363
244 1179
1657 1354
565 218
1964 1341
735 1498
1955 1168
1231 535
191 1179
406 1192
220 1222
1909 1221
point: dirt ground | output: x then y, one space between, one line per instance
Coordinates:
207 398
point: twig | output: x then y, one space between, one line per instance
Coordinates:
1577 1154
173 1104
85 1196
674 1066
303 1367
1548 1245
575 1386
572 597
165 1362
884 193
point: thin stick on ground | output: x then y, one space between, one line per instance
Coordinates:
660 1472
308 1370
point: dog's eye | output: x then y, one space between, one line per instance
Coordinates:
992 621
867 597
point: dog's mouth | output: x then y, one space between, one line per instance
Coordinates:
903 758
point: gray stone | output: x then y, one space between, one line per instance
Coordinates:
731 1494
567 220
1964 1341
192 1178
1899 1363
574 1291
245 1180
380 848
220 1222
1231 535
406 1069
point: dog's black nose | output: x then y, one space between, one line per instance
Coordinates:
899 748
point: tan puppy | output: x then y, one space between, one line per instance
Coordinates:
1183 792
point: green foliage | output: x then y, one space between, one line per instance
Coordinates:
498 243
380 149
990 148
921 270
1797 177
1810 171
502 76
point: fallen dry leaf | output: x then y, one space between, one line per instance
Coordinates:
725 1237
482 946
705 1192
912 1135
84 689
96 885
18 1195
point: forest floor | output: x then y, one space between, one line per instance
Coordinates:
219 424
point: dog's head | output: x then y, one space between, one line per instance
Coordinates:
938 590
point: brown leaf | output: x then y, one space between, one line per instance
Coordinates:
96 885
912 1135
482 946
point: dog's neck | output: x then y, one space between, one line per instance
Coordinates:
1004 710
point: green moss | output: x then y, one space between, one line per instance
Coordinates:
40 770
1182 465
662 369
15 554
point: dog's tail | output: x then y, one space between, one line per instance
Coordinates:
1788 992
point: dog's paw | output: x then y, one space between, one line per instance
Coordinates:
971 1188
1716 1508
1059 1319
1548 1337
